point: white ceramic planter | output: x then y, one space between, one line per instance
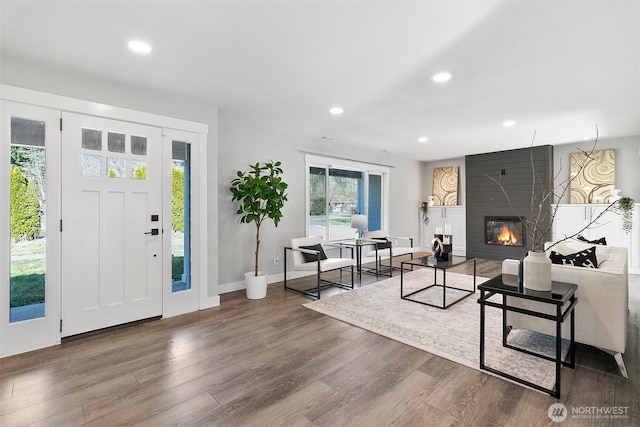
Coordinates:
256 285
537 271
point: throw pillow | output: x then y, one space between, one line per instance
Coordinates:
384 242
313 257
585 258
600 241
572 246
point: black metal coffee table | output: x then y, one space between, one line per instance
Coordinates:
427 261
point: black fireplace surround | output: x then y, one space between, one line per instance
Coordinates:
504 231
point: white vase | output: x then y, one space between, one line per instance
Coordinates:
256 285
537 271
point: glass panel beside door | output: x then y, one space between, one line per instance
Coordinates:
29 230
27 222
180 216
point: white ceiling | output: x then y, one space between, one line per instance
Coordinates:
559 68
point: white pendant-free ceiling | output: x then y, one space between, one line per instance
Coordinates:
559 68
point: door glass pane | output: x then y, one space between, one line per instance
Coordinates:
139 145
92 139
345 198
115 142
91 165
180 216
375 202
27 226
115 167
317 202
138 169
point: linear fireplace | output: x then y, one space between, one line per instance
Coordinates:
504 231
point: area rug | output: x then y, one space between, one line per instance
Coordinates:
453 333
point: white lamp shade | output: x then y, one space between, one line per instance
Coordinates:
359 221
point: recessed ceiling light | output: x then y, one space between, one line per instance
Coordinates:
442 77
139 46
423 139
508 123
336 111
586 138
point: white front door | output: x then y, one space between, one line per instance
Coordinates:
111 223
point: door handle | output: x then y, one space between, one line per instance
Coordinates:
153 232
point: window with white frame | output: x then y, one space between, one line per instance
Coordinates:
338 189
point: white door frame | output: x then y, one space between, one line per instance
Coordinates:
175 303
9 346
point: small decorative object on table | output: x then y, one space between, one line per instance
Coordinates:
360 223
441 246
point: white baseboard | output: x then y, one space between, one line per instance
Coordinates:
273 278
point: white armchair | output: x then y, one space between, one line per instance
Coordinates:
388 248
309 255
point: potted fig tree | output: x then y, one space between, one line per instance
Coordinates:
261 194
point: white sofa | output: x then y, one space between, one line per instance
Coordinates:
603 300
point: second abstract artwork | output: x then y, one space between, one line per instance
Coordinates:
445 186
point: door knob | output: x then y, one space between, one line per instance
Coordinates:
153 232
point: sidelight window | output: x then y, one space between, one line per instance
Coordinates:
27 223
180 216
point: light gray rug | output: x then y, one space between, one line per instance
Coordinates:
453 333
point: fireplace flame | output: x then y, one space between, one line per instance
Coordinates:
506 237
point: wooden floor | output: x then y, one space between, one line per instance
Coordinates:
272 362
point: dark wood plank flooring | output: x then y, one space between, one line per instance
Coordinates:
272 362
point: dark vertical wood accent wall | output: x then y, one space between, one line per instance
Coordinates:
485 198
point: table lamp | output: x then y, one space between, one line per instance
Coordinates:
359 222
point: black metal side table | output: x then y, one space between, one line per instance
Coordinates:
359 244
562 296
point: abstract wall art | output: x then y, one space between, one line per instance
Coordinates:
593 176
445 186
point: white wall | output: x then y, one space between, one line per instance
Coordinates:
234 143
243 143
